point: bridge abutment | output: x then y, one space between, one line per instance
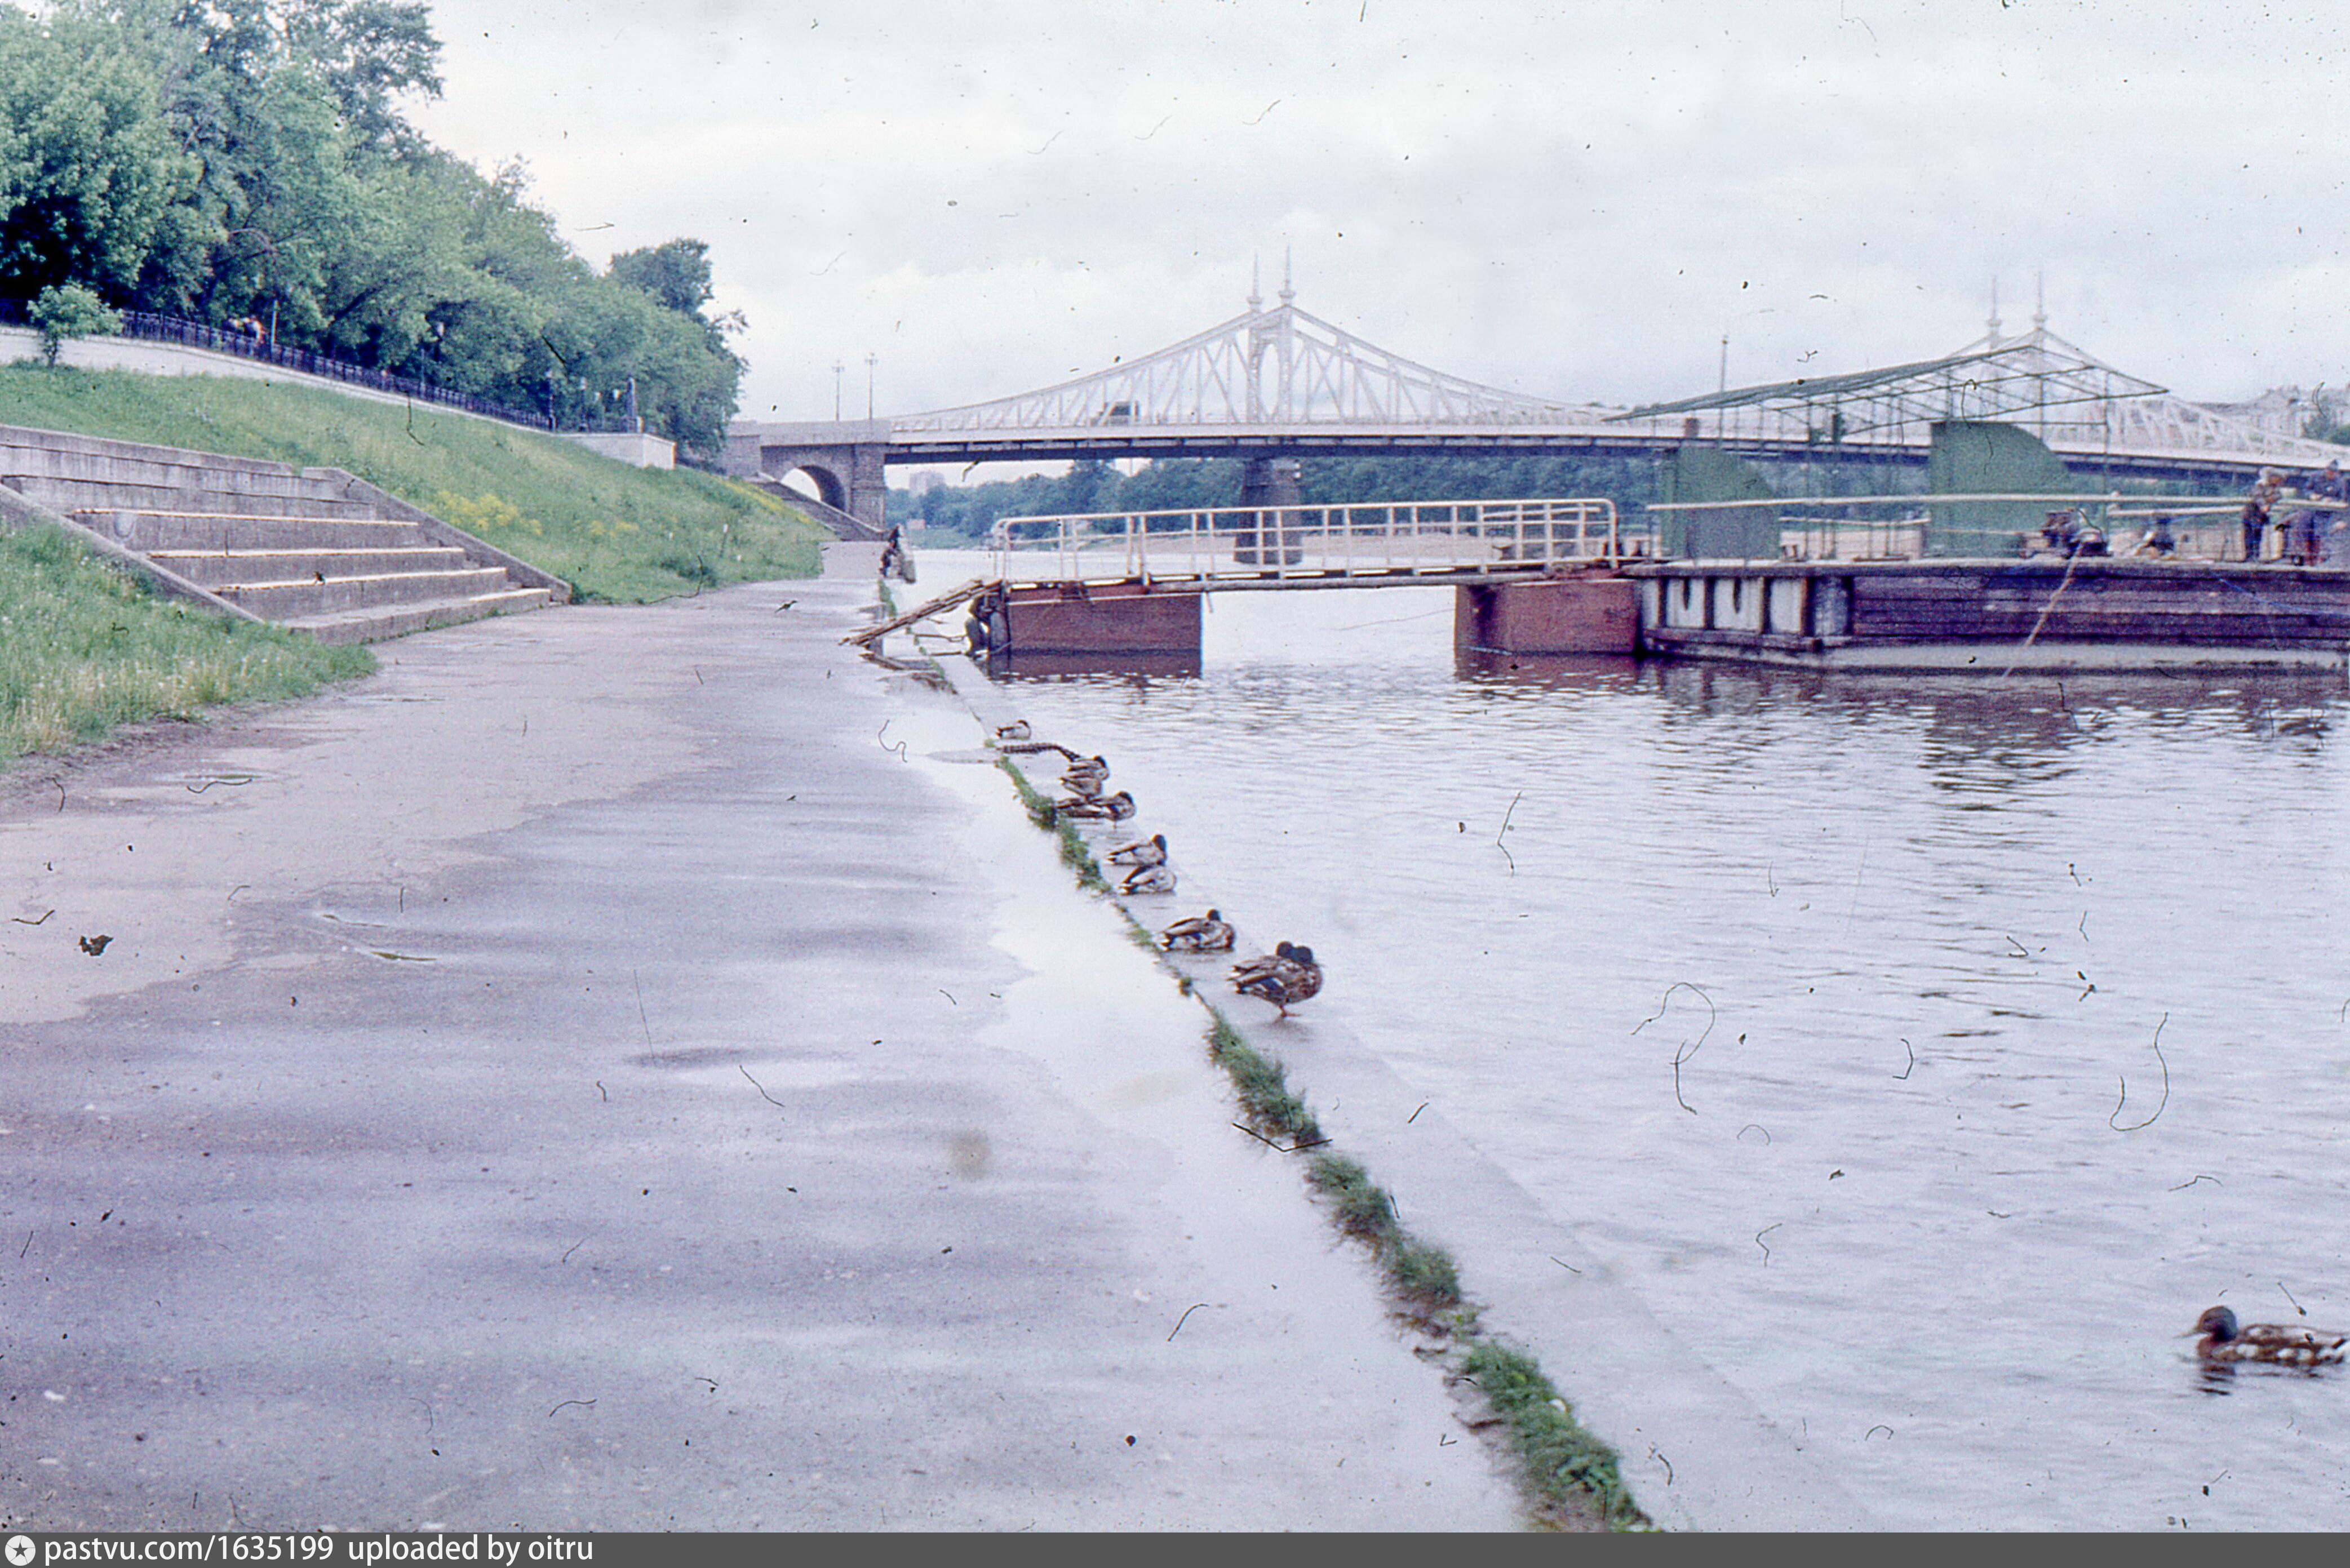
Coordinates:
845 460
1582 614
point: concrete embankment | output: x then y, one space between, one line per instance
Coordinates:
591 1074
1695 1450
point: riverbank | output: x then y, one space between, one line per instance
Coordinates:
616 534
641 1092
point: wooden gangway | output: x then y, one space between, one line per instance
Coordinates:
1358 545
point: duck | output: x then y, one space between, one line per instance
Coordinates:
1205 933
1015 731
2280 1345
1151 851
1292 979
1262 965
1293 976
1085 775
1100 808
1148 879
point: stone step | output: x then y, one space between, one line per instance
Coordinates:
374 623
110 495
294 601
214 568
264 478
151 531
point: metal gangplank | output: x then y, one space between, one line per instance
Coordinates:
1361 545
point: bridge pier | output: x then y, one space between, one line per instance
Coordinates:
1099 618
1587 613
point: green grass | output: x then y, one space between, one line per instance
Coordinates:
1075 854
85 647
1565 1466
616 534
1263 1084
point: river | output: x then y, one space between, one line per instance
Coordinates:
1925 1053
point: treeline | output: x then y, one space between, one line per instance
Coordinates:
1166 485
247 163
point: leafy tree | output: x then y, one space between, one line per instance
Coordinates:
67 311
676 273
89 166
368 53
238 159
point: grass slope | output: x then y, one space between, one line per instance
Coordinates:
616 534
83 647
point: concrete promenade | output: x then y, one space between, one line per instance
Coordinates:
635 1068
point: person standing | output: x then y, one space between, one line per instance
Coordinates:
2255 517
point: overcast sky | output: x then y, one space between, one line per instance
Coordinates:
1577 201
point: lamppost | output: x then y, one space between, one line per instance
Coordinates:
870 360
836 368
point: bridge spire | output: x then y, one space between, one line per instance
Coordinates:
1993 323
1288 294
1256 288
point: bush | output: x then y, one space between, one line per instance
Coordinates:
64 311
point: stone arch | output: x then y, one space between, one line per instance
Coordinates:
831 486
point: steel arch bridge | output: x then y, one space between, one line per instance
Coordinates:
1282 383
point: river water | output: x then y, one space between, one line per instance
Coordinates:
1925 1053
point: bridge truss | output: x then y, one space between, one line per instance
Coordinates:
2076 404
1282 367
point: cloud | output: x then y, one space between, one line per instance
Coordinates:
1577 200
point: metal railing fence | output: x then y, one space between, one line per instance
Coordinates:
1382 539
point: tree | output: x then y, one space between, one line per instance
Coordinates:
676 273
69 311
89 168
368 53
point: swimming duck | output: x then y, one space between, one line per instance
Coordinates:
1111 809
2281 1344
1151 851
1292 977
1205 933
1148 879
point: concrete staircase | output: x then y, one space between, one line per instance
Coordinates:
315 549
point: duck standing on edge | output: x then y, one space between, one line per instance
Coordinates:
1285 979
1205 933
2279 1344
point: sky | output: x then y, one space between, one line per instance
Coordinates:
1576 201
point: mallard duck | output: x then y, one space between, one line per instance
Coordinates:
1085 775
1285 979
1205 933
1100 808
1262 965
1148 879
2281 1345
1151 851
1015 731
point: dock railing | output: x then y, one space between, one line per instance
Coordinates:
1908 527
1379 540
